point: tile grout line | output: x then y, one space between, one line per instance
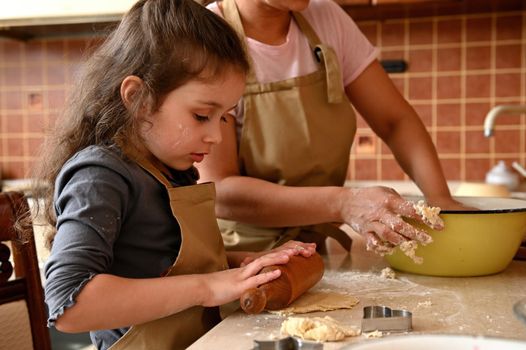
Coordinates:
493 57
522 156
25 104
379 167
463 93
3 140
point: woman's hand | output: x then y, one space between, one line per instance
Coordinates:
448 203
376 213
225 286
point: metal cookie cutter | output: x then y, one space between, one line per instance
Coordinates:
289 343
382 318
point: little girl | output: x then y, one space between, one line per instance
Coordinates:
137 258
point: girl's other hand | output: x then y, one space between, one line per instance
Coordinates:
299 248
225 286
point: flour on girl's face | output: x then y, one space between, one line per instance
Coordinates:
188 123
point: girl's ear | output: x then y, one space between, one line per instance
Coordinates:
129 88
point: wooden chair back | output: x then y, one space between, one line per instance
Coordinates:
25 287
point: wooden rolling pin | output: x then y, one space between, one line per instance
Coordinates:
297 276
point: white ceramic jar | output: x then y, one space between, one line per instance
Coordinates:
500 174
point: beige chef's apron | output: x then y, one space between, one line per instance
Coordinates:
201 251
296 132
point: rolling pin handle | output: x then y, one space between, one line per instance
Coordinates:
253 301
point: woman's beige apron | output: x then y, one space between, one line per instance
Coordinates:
202 251
296 132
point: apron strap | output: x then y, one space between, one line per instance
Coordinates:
326 56
307 30
231 15
155 172
145 163
323 54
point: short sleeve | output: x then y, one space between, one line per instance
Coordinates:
337 29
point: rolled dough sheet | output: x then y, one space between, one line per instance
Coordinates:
318 301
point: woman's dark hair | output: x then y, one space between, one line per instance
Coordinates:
166 43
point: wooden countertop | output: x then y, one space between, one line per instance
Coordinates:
470 306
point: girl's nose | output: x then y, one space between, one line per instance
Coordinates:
213 134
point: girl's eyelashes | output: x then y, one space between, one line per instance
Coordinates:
201 118
205 118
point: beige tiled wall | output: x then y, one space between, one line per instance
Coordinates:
35 77
459 67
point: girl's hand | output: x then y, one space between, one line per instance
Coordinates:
376 213
301 248
224 286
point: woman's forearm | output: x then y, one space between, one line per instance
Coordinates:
418 158
262 203
398 125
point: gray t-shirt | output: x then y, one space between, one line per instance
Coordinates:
112 217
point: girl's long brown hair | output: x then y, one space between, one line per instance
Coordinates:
166 43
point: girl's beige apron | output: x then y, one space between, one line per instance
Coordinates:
296 132
202 251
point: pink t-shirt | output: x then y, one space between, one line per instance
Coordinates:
334 28
294 58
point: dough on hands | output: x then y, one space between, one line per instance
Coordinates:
318 301
409 249
317 328
430 215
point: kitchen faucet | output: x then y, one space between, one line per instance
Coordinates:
489 123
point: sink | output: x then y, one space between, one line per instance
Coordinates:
518 195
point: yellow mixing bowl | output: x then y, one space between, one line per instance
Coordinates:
473 243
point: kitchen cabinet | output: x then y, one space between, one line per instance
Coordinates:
383 2
354 2
93 19
385 9
55 31
32 19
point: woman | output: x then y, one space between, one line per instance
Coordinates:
280 170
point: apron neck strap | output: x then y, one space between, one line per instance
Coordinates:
133 153
231 15
307 30
323 54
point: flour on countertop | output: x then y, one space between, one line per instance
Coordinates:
374 334
424 304
388 273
